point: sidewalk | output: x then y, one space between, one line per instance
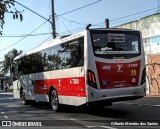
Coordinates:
146 101
8 92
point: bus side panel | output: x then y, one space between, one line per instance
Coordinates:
70 88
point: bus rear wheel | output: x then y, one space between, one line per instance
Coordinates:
54 101
24 100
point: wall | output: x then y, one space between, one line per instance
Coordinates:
150 28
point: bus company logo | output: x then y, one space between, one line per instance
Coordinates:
119 66
59 82
106 67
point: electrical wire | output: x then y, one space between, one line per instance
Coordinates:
72 21
129 15
98 24
23 37
40 43
65 25
79 8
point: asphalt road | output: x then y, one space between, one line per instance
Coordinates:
116 116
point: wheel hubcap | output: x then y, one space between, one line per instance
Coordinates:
54 100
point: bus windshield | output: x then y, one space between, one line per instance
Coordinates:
124 43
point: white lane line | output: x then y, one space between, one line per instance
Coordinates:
107 127
73 119
6 117
2 112
147 104
91 126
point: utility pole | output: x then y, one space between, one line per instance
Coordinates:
107 23
53 20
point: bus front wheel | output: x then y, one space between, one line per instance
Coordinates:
54 101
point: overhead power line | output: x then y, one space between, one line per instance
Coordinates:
40 43
134 14
34 12
72 21
79 8
65 26
129 15
23 37
52 23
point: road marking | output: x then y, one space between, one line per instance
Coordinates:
147 105
9 93
73 119
107 127
6 117
91 126
2 113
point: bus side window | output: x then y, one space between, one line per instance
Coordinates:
76 50
55 58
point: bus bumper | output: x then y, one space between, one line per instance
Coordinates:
116 94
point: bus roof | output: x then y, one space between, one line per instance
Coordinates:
62 39
51 43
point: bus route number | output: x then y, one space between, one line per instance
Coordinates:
74 81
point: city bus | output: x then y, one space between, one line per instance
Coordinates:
94 67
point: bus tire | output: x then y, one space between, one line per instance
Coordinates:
24 100
54 101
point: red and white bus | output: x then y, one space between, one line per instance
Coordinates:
94 66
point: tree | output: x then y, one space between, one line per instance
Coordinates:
5 65
6 6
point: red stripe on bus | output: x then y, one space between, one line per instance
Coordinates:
64 86
118 75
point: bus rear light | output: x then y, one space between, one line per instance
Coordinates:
143 80
91 79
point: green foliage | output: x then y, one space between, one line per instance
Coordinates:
6 6
5 65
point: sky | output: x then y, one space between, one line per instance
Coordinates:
69 23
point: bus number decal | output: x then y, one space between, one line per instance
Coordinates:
133 65
74 81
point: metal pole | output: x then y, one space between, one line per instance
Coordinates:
158 6
53 20
107 23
